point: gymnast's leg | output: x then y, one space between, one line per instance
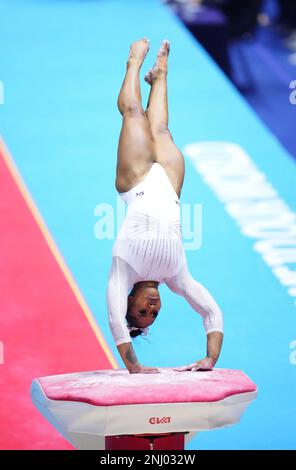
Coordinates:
135 147
166 152
135 157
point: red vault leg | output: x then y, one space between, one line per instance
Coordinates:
146 442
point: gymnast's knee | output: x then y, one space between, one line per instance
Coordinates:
129 108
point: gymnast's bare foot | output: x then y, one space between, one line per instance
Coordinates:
138 51
160 66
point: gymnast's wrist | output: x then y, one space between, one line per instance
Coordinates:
134 368
212 359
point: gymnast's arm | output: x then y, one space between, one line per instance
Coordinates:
121 279
203 303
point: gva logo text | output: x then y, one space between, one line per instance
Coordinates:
164 420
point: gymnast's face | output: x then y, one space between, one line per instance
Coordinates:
143 306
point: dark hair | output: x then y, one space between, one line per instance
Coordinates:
135 333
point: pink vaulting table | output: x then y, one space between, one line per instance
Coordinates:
112 409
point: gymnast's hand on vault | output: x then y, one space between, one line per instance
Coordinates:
205 364
138 369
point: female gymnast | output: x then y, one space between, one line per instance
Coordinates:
149 250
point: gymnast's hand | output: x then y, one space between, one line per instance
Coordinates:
205 364
131 362
139 369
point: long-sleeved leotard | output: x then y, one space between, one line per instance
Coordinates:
122 278
149 247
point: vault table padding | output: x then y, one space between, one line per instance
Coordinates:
114 402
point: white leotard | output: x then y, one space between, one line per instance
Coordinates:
149 247
150 239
